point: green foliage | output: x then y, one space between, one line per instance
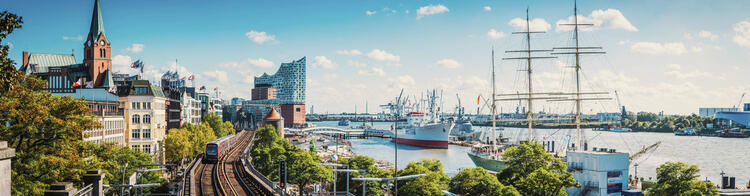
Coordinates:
477 181
9 77
361 162
177 145
198 136
653 123
432 184
303 168
680 179
268 148
220 128
647 117
534 172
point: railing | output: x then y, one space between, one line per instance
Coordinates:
265 183
187 177
86 190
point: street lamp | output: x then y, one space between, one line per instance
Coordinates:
388 180
336 165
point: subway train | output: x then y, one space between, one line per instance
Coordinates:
217 148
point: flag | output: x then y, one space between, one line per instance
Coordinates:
191 77
216 88
137 64
112 89
183 78
90 84
203 88
78 82
478 99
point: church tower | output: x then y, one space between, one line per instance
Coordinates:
97 52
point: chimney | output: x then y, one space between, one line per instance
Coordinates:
25 59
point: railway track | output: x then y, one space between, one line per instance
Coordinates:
228 176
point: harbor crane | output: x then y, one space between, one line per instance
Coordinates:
740 102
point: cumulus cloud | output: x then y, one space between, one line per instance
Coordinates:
233 65
685 75
654 48
536 24
246 76
370 13
122 60
324 62
742 33
493 34
449 63
602 19
431 10
375 71
382 55
353 52
401 82
135 48
76 38
356 63
487 8
260 37
260 62
216 75
674 66
708 35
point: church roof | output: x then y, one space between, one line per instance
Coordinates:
40 63
273 115
97 24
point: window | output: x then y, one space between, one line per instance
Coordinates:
136 119
146 118
132 105
298 109
136 147
148 105
138 105
146 133
147 149
135 133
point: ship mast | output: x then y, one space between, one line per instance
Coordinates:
530 95
494 138
576 51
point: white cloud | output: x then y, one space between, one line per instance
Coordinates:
430 10
247 76
356 63
122 60
493 34
174 66
260 62
696 49
216 75
382 55
684 75
260 37
353 52
674 66
742 33
623 42
536 24
331 76
688 36
370 13
375 71
324 62
602 19
135 48
708 35
672 48
77 38
449 63
401 82
233 65
487 8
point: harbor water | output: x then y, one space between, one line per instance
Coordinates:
712 154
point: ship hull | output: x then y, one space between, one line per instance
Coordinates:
488 164
431 136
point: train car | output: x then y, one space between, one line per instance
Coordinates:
217 147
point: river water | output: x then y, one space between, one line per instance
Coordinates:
712 154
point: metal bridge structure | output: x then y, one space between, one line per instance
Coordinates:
337 130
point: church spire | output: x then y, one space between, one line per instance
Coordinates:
97 25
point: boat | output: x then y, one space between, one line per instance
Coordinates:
484 156
619 129
364 126
734 133
344 122
424 129
463 122
685 132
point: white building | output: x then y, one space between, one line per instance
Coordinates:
215 106
706 112
600 172
145 111
108 112
191 109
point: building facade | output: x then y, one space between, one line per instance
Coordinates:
286 88
706 112
173 86
107 110
601 172
191 109
145 112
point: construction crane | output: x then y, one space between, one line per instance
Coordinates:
623 114
740 102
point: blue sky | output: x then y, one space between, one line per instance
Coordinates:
671 56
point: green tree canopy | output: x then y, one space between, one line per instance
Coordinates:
432 184
361 162
532 171
220 128
177 145
477 181
198 136
268 148
303 168
680 179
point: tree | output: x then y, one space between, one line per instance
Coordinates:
361 162
177 145
268 148
431 184
680 179
532 171
477 181
220 128
8 74
199 135
303 168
